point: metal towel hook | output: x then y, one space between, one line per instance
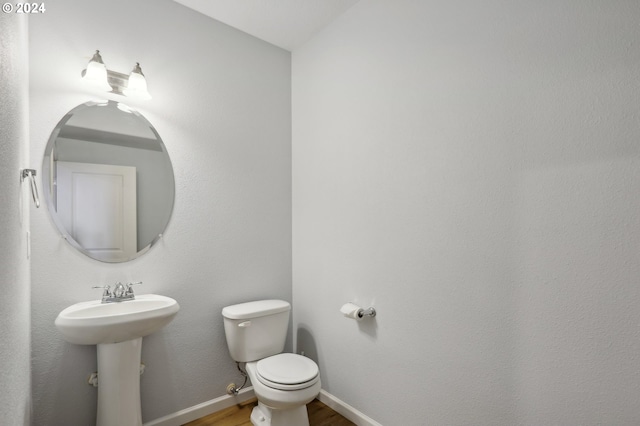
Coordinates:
31 173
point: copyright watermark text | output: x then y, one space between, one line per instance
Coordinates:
23 8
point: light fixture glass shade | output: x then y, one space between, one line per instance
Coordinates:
96 73
137 85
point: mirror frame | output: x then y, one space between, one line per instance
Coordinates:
47 184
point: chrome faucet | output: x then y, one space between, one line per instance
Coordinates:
120 293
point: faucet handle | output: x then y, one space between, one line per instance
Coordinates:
107 290
130 285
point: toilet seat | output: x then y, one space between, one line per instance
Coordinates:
287 372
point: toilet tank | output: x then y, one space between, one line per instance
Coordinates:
256 330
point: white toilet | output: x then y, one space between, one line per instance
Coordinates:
284 383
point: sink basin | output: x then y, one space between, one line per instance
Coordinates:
94 322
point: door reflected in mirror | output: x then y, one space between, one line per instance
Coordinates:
108 181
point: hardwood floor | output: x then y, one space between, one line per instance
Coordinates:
238 415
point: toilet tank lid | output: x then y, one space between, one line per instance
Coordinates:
258 308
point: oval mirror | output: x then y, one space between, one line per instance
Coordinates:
108 181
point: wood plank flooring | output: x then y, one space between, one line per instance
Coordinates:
238 415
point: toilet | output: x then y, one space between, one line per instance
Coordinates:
284 383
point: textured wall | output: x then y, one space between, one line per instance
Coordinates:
15 378
221 103
473 170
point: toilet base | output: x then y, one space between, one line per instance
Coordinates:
265 416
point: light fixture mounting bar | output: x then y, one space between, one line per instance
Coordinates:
118 81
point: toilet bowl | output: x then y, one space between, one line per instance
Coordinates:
282 382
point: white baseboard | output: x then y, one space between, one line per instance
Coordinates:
346 410
204 409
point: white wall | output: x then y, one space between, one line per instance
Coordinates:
221 103
15 374
472 169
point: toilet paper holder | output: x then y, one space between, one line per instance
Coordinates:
369 312
351 310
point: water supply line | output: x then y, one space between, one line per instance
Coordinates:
232 389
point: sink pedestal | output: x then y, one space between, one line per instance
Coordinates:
119 383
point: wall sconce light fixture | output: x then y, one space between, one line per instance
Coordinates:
96 73
133 85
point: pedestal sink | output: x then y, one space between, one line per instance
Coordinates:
117 329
